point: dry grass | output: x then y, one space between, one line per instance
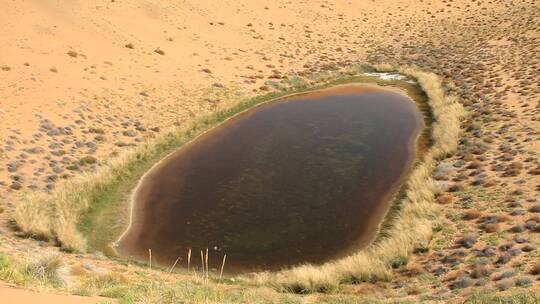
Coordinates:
521 297
445 199
412 227
472 214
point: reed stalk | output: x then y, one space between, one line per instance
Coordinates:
206 263
150 257
172 267
188 259
222 267
202 262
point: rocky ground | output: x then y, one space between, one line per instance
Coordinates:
80 82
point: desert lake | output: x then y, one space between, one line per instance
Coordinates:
302 179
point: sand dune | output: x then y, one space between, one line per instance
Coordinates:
83 80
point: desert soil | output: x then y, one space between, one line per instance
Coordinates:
81 81
10 294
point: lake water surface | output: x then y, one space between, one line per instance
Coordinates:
304 179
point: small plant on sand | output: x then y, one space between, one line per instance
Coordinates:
515 298
43 271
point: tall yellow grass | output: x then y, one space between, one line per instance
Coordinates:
412 226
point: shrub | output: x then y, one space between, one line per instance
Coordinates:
472 214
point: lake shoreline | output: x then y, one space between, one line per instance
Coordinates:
417 99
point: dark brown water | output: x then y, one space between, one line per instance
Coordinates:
304 179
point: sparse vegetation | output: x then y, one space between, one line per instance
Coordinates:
72 53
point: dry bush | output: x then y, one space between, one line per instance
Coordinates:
445 199
475 164
33 215
72 53
503 218
480 271
45 269
535 269
493 227
384 67
472 214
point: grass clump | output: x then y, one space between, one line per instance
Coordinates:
43 271
529 297
87 160
104 284
8 272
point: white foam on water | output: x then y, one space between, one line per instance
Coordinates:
390 76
